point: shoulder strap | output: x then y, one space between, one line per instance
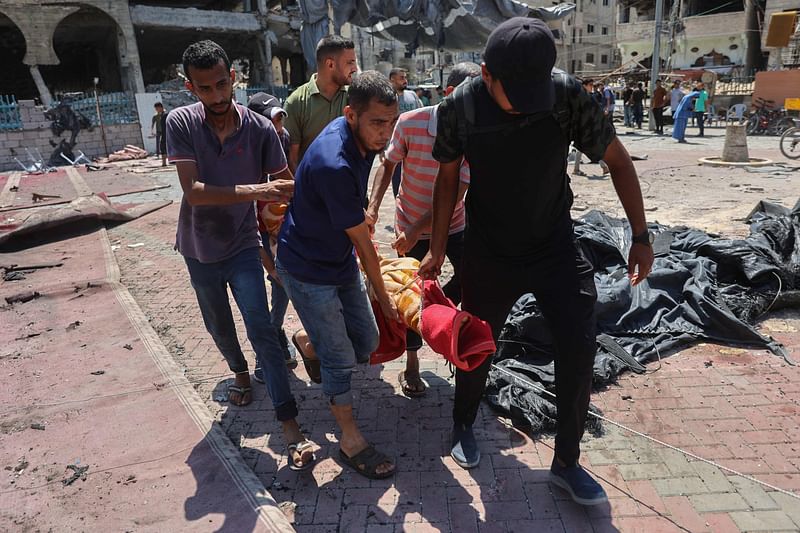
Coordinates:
561 108
464 99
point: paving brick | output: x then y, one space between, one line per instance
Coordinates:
753 493
788 505
711 503
646 495
679 486
763 521
713 478
676 462
683 513
644 471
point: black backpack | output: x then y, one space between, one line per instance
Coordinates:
464 100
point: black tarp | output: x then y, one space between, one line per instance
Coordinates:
702 287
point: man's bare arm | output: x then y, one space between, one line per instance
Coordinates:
445 195
294 157
360 237
382 181
199 193
626 183
407 239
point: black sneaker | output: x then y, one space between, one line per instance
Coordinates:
464 449
289 351
578 483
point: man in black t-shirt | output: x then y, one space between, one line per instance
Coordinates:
637 105
519 236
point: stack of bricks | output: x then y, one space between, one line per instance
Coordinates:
36 134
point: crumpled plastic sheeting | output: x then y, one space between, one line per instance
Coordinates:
451 24
702 287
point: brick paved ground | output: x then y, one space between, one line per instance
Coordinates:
736 407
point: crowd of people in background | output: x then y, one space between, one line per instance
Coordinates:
683 105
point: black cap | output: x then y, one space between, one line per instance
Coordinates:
266 104
521 53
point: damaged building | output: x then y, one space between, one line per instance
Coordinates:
708 34
61 46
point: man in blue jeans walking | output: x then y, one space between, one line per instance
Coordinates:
221 151
325 221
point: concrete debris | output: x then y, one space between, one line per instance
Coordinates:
22 298
37 426
78 472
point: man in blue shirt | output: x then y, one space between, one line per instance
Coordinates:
325 221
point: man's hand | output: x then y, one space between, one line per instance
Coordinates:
371 216
431 267
640 262
405 241
274 191
388 307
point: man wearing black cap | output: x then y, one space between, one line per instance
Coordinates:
515 130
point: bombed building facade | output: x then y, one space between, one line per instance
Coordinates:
62 45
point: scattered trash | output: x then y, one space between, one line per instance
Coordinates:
651 208
130 479
98 372
38 426
37 197
78 472
74 325
13 276
128 347
580 207
22 298
708 363
220 398
642 157
21 465
289 509
136 245
627 397
13 188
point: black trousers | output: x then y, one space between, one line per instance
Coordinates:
658 114
159 141
562 281
700 116
451 289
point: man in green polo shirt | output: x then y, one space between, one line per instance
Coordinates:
313 105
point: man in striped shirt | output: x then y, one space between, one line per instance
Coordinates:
411 145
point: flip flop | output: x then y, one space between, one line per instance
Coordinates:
409 390
241 391
312 365
367 461
300 447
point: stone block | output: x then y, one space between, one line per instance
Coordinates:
764 521
718 503
680 486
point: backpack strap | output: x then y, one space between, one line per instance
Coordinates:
464 99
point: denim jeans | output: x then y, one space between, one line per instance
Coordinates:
340 326
244 274
279 300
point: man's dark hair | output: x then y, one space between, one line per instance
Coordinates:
395 71
204 55
462 71
639 85
158 104
587 81
368 86
331 46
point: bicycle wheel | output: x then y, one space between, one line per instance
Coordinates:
782 125
753 125
790 143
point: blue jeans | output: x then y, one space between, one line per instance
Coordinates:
279 300
244 274
340 325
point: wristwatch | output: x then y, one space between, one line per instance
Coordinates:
646 237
